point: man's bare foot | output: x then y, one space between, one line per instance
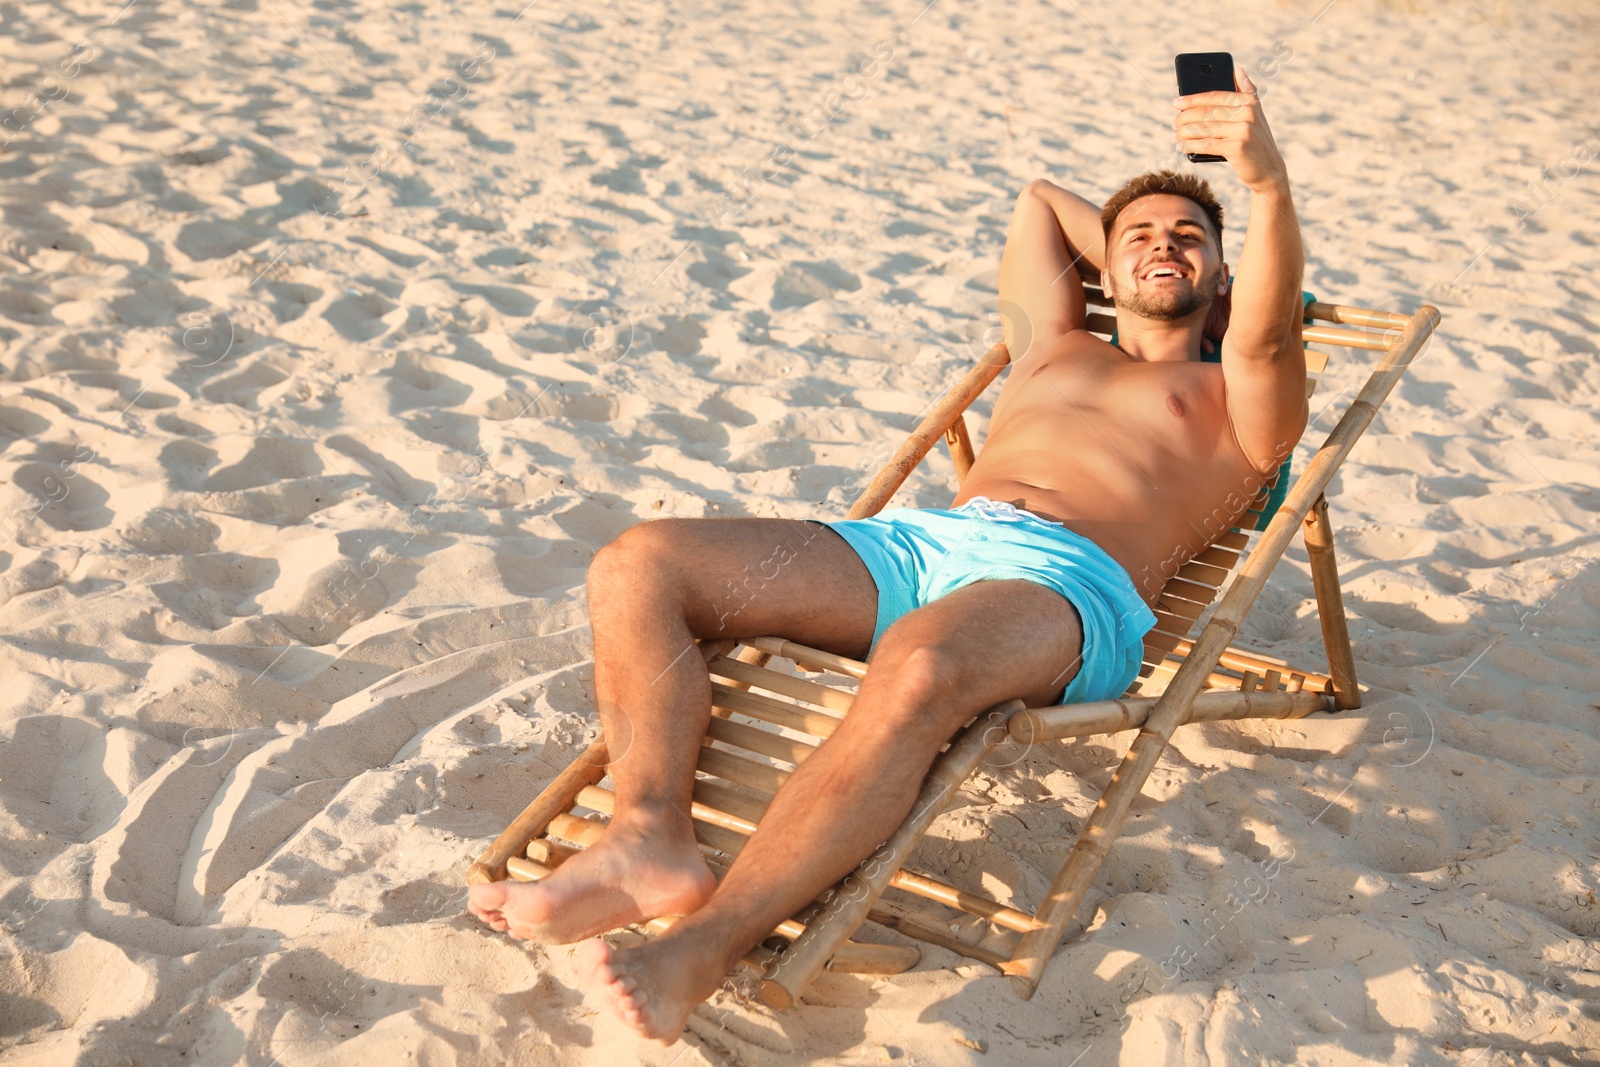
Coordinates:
632 874
654 986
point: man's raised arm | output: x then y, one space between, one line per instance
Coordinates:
1263 362
1053 234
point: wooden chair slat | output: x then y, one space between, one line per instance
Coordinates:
862 957
1239 659
726 841
745 772
576 828
1187 610
1157 646
1200 592
1217 556
731 799
1349 338
1215 680
545 851
773 710
810 658
904 921
713 828
523 869
1171 623
1202 574
1354 316
1233 539
961 900
755 739
786 684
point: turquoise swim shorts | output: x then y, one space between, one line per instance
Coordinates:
918 555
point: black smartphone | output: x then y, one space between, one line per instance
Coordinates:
1204 72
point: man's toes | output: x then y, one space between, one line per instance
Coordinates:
486 897
592 954
593 958
528 911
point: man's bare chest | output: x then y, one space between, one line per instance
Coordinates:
1178 408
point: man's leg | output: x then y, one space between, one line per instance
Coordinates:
932 671
651 593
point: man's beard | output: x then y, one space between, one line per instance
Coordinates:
1168 306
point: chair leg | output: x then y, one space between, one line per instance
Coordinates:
1330 606
960 443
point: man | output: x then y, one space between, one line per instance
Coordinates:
1112 463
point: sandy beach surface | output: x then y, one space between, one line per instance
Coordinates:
335 338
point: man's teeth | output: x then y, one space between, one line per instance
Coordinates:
1164 272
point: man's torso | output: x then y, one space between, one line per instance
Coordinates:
1138 457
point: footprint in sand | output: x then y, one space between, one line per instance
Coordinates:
804 283
169 531
62 496
290 299
243 387
17 423
401 251
218 587
270 460
43 994
205 239
505 300
51 765
359 316
448 428
186 463
22 306
415 381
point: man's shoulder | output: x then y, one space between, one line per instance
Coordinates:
1068 345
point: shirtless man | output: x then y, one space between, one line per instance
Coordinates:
1112 461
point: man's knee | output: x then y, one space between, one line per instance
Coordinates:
641 557
918 683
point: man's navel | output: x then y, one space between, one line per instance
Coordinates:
1175 405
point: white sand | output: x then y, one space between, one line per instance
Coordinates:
297 510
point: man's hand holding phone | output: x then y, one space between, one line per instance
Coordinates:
1232 125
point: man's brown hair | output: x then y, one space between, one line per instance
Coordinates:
1168 182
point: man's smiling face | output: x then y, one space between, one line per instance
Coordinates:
1162 259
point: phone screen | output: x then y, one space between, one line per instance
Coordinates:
1204 72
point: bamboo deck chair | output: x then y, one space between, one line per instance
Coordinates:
744 759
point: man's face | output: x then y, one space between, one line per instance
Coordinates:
1162 260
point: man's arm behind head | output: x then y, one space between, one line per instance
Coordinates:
1055 236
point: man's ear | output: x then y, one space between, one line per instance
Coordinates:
1224 281
1105 281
